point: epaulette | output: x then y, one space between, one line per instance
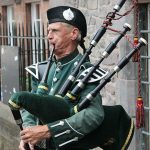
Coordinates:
37 70
86 65
98 74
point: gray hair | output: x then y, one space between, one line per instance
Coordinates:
71 26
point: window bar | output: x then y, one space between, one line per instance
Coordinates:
145 57
147 108
145 31
145 82
146 133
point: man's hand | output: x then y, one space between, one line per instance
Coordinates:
35 134
22 146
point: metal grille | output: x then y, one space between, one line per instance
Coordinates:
32 49
144 23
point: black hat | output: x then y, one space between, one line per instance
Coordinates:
68 15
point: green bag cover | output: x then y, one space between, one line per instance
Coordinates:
47 108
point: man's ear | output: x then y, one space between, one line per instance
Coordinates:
74 33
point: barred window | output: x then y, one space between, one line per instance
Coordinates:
144 27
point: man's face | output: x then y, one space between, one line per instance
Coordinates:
60 35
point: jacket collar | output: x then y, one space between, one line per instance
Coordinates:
68 58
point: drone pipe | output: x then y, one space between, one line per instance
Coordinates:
107 52
121 64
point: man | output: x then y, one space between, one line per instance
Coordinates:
67 29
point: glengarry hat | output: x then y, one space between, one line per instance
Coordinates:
68 15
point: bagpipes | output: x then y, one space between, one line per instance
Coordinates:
117 128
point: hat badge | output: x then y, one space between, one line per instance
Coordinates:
68 14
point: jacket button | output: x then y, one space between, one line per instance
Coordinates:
55 79
75 64
57 69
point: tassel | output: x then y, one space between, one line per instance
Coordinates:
139 113
135 56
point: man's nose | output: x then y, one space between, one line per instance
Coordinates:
50 35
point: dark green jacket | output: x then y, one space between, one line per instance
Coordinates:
74 128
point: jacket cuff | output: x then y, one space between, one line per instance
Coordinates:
63 133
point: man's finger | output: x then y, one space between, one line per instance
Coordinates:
21 145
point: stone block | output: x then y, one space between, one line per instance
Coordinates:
105 2
74 3
92 5
83 3
127 94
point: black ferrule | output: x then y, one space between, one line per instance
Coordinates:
110 47
65 87
123 62
17 116
98 36
89 50
84 104
121 3
126 59
119 38
76 90
121 35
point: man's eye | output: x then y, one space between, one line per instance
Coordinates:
54 30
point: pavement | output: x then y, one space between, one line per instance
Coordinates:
9 131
